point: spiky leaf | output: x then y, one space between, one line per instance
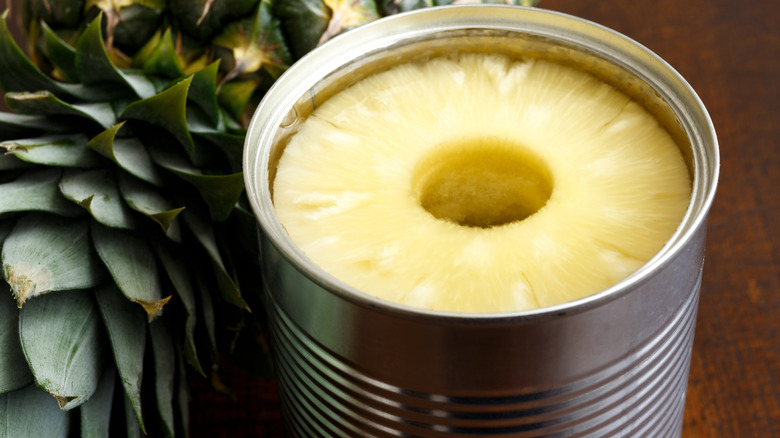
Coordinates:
234 96
179 275
14 373
126 329
202 19
20 74
132 427
128 153
61 339
348 14
45 253
14 126
130 23
305 21
58 150
31 412
60 54
36 190
203 91
163 59
231 145
221 192
209 320
164 374
95 67
167 109
132 266
144 198
204 233
46 103
96 413
255 43
97 191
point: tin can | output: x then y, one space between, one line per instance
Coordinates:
611 364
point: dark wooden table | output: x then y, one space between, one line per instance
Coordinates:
730 53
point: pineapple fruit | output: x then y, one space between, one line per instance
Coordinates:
478 183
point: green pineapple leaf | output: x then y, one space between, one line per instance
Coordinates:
202 19
204 233
221 192
255 43
20 74
46 103
168 110
58 150
126 328
178 273
128 153
36 190
60 54
59 13
203 91
144 198
132 428
209 320
131 23
305 21
164 374
231 145
45 253
95 414
94 67
348 14
132 266
163 60
97 191
14 373
13 126
31 412
234 96
61 339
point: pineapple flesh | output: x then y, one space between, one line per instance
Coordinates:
478 183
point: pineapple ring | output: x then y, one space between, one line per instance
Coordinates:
573 185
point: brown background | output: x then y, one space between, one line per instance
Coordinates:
729 52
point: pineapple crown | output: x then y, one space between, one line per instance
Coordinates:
122 223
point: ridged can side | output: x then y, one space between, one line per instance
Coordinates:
614 370
613 364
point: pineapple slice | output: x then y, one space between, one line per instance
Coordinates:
477 183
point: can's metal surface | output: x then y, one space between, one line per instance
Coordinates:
612 364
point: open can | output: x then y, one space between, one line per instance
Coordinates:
611 364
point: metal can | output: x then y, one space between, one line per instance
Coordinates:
611 364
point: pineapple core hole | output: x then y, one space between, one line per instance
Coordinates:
482 183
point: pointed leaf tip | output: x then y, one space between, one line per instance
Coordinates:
167 110
61 337
153 307
45 253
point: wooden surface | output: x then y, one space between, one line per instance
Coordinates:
730 53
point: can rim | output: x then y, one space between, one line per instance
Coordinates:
557 26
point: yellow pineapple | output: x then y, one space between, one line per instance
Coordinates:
478 183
